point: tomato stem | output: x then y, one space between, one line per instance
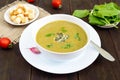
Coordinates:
11 45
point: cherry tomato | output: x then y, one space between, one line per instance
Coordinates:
56 3
30 1
5 42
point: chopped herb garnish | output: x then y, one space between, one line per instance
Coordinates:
67 46
76 36
49 45
63 30
61 37
49 34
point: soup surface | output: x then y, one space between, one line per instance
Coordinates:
61 36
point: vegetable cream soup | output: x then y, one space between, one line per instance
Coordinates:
61 36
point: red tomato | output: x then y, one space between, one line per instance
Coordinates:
30 1
5 42
57 3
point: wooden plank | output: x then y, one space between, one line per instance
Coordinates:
46 4
115 34
40 75
2 3
13 66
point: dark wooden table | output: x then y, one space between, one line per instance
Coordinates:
14 67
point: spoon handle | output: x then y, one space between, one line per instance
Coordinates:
103 52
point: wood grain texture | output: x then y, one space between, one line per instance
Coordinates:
14 67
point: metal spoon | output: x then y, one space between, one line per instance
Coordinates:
103 52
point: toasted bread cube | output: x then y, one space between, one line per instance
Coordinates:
26 14
31 16
20 11
18 20
15 12
25 20
20 15
20 5
12 17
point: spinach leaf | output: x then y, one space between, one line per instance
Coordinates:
105 14
49 45
96 20
63 29
101 15
49 34
67 46
107 9
81 13
76 36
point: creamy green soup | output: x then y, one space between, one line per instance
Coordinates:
61 36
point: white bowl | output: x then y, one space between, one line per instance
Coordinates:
7 14
56 55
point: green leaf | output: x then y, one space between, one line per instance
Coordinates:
67 46
107 9
105 14
115 5
63 30
49 34
96 20
80 13
76 36
49 45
